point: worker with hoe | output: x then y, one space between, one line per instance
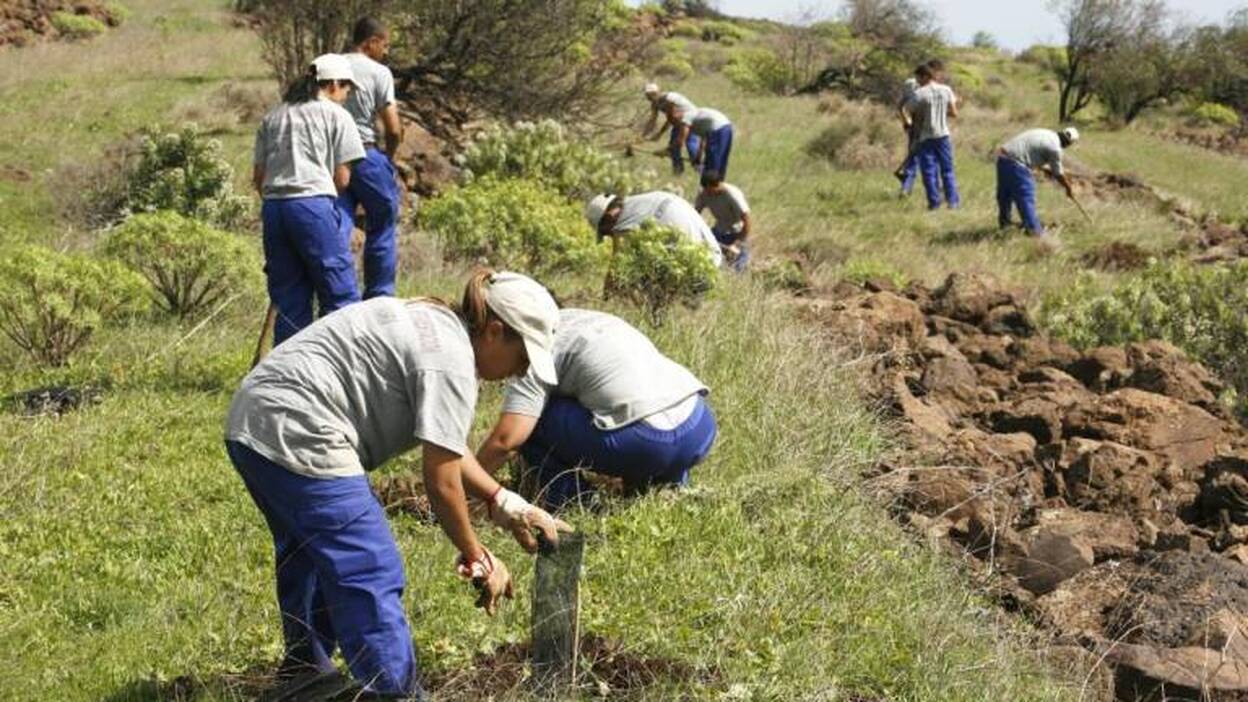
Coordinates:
620 408
373 180
713 130
669 104
303 155
350 392
615 215
1033 149
928 112
732 217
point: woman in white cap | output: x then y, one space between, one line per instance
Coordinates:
303 155
669 104
1033 149
619 407
615 215
350 392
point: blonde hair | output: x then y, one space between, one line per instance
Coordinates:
474 309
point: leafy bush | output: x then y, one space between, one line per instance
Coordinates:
758 70
655 266
189 266
725 33
675 66
75 26
966 80
688 30
1200 309
1212 113
117 13
1046 57
52 302
187 173
544 152
512 223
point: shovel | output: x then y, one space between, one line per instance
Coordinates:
1082 211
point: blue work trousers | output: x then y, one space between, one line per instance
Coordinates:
339 574
375 186
673 146
910 167
566 439
718 149
728 238
305 253
936 165
1016 187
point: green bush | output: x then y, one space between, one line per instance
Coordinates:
185 172
75 26
725 33
759 70
189 266
52 302
688 30
512 223
543 151
1045 57
655 266
1200 309
674 66
966 80
861 136
117 13
1214 114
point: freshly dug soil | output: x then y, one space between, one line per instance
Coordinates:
1106 491
24 22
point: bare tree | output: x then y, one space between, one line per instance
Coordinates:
1093 29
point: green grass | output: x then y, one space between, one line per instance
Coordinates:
134 558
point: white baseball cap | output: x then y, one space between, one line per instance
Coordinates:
333 67
652 89
1071 134
596 208
527 307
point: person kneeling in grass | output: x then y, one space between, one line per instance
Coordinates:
342 397
614 215
620 408
732 218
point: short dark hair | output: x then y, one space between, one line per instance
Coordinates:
936 65
366 28
923 72
711 178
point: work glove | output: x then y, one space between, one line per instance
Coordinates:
489 576
514 513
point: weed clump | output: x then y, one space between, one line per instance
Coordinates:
74 26
189 266
862 136
655 266
52 302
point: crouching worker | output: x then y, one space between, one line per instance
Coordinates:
620 408
348 393
1016 188
614 215
732 218
303 156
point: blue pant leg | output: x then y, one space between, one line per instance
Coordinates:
374 184
1025 199
667 454
546 452
944 154
290 286
325 253
674 151
718 149
306 628
728 238
910 170
1005 192
929 168
692 144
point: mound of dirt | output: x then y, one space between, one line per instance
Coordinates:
1107 491
1117 256
23 22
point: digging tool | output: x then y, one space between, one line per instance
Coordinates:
555 628
1082 211
266 332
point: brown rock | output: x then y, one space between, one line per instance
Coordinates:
421 163
927 420
1048 558
873 323
951 377
1039 417
994 351
1183 434
941 491
1160 367
1110 535
1008 319
1101 368
1184 673
1038 351
1077 608
968 298
1107 476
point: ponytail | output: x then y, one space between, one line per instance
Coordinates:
302 89
474 309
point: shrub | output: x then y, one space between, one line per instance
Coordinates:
187 173
189 266
51 302
862 136
725 33
74 26
861 270
688 30
655 266
117 13
544 152
966 80
1046 57
1200 309
759 70
674 66
512 223
985 40
1212 113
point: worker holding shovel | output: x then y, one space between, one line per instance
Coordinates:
1016 187
350 392
620 408
303 155
669 104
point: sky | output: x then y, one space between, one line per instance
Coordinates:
1016 24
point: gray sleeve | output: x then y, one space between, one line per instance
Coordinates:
260 153
385 89
526 396
348 146
443 405
1054 159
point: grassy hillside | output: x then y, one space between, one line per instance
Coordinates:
137 568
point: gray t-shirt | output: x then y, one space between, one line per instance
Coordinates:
907 92
374 89
358 387
608 367
676 100
704 120
929 108
728 206
299 146
1035 148
672 211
